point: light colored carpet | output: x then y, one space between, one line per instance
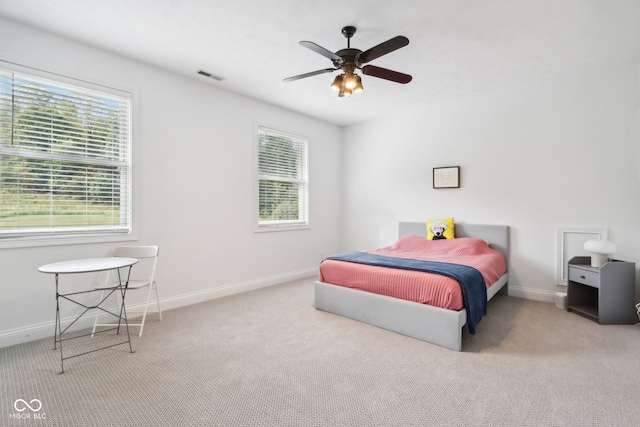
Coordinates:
268 358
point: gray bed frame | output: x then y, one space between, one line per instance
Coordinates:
435 325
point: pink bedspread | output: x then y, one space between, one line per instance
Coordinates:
426 288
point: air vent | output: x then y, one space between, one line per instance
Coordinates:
211 76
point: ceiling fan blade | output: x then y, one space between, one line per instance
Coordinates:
322 51
305 75
382 49
383 73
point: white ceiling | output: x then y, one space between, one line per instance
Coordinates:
457 47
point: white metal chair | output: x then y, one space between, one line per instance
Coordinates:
140 253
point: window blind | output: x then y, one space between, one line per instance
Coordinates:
65 158
283 191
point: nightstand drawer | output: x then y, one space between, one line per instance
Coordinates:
589 278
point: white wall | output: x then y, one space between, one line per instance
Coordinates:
561 154
195 188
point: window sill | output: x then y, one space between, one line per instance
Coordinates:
24 242
270 228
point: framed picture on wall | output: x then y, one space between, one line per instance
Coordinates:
446 177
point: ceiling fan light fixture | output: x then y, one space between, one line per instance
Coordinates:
350 59
337 82
350 81
344 92
358 87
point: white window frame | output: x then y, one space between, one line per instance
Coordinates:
302 222
88 236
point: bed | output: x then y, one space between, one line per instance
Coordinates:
428 323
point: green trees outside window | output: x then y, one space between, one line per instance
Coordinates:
64 158
282 179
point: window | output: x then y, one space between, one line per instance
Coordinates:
65 158
283 187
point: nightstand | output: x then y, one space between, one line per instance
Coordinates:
605 294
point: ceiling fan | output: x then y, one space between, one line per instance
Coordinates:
349 59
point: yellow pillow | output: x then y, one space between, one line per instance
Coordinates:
438 229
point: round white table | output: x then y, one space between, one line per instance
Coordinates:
90 265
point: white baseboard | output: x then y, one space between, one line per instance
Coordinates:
46 329
232 289
532 294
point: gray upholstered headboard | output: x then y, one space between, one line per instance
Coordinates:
496 235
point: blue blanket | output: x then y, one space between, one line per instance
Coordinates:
474 290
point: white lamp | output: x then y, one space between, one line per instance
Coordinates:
599 250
